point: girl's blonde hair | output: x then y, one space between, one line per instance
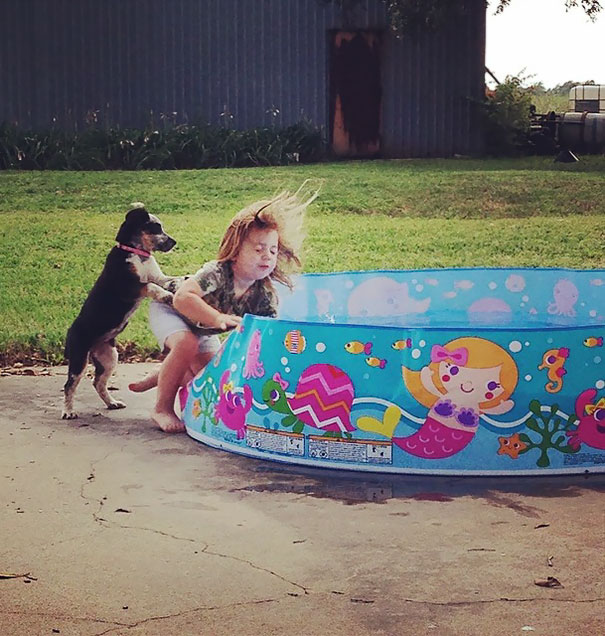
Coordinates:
284 213
482 354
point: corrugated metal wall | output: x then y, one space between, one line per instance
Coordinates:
135 61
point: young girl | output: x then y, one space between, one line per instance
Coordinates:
261 245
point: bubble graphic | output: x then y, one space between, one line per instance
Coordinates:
525 299
515 346
415 354
233 367
422 343
366 376
419 288
526 343
528 377
493 285
320 347
600 384
597 359
592 313
284 360
287 369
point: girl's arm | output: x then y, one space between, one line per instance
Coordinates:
189 302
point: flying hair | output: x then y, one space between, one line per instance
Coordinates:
285 213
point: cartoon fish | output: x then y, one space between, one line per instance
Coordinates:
591 341
359 347
295 342
376 362
553 361
464 284
402 344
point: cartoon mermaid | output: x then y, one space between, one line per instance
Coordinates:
464 379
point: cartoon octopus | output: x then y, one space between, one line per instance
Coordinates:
565 295
253 367
230 409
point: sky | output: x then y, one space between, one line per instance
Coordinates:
538 38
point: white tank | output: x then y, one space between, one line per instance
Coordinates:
582 131
587 98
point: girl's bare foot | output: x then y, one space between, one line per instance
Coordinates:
168 422
148 382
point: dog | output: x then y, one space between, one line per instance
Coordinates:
130 273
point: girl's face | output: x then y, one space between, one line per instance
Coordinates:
470 386
257 256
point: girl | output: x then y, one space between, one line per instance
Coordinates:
261 245
465 378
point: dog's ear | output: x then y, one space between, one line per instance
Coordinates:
137 217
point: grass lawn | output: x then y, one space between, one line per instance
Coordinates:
57 227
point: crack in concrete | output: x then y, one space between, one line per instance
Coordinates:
65 617
257 567
203 608
205 550
502 599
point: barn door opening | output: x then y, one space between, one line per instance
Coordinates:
355 93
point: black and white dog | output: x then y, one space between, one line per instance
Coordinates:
130 274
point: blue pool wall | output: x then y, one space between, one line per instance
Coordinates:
331 383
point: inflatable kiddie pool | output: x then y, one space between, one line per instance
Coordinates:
459 371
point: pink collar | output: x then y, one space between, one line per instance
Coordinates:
134 250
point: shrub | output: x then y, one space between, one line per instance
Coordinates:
507 118
181 146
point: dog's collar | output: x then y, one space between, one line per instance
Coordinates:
134 250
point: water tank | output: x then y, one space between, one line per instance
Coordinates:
582 132
587 98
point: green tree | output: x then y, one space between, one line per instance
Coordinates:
590 7
408 15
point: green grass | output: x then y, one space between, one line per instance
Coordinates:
57 227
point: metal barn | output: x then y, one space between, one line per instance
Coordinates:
246 63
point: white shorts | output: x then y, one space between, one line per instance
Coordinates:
164 321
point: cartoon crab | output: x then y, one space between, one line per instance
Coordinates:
591 429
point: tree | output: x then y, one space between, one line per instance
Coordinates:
590 7
408 15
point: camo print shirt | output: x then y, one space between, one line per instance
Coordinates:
216 282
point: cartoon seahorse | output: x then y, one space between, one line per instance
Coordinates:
553 360
465 378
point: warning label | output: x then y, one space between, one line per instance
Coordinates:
350 450
275 441
584 458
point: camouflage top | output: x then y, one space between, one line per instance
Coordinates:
216 282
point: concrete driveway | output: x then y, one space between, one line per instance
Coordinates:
108 526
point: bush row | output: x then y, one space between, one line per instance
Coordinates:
179 147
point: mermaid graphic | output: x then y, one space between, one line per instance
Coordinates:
464 379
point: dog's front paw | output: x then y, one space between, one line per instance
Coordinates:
173 284
116 404
166 298
68 415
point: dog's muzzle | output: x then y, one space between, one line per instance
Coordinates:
166 244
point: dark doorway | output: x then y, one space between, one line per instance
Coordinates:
355 93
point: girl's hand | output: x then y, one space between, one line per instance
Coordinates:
226 321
